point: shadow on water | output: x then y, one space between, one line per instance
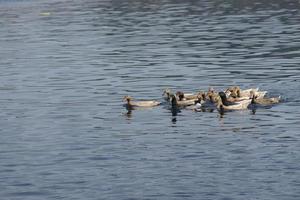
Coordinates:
253 111
128 114
174 111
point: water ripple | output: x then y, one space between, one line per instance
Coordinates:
66 65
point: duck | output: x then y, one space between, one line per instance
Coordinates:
241 105
185 96
131 104
182 103
201 95
229 101
205 100
198 103
230 91
264 101
166 93
236 92
211 96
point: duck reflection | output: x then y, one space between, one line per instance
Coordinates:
174 108
128 114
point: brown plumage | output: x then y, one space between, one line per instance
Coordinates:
212 96
264 101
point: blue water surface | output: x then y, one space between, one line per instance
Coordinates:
66 65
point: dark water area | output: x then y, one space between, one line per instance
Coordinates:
66 65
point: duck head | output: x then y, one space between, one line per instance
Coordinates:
237 91
253 96
228 91
167 92
127 98
233 94
180 95
128 104
211 95
201 95
234 91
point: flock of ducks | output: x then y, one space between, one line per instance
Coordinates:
233 98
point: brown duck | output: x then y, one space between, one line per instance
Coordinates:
264 101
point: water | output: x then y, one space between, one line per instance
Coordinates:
65 66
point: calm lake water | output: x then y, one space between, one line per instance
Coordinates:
66 65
